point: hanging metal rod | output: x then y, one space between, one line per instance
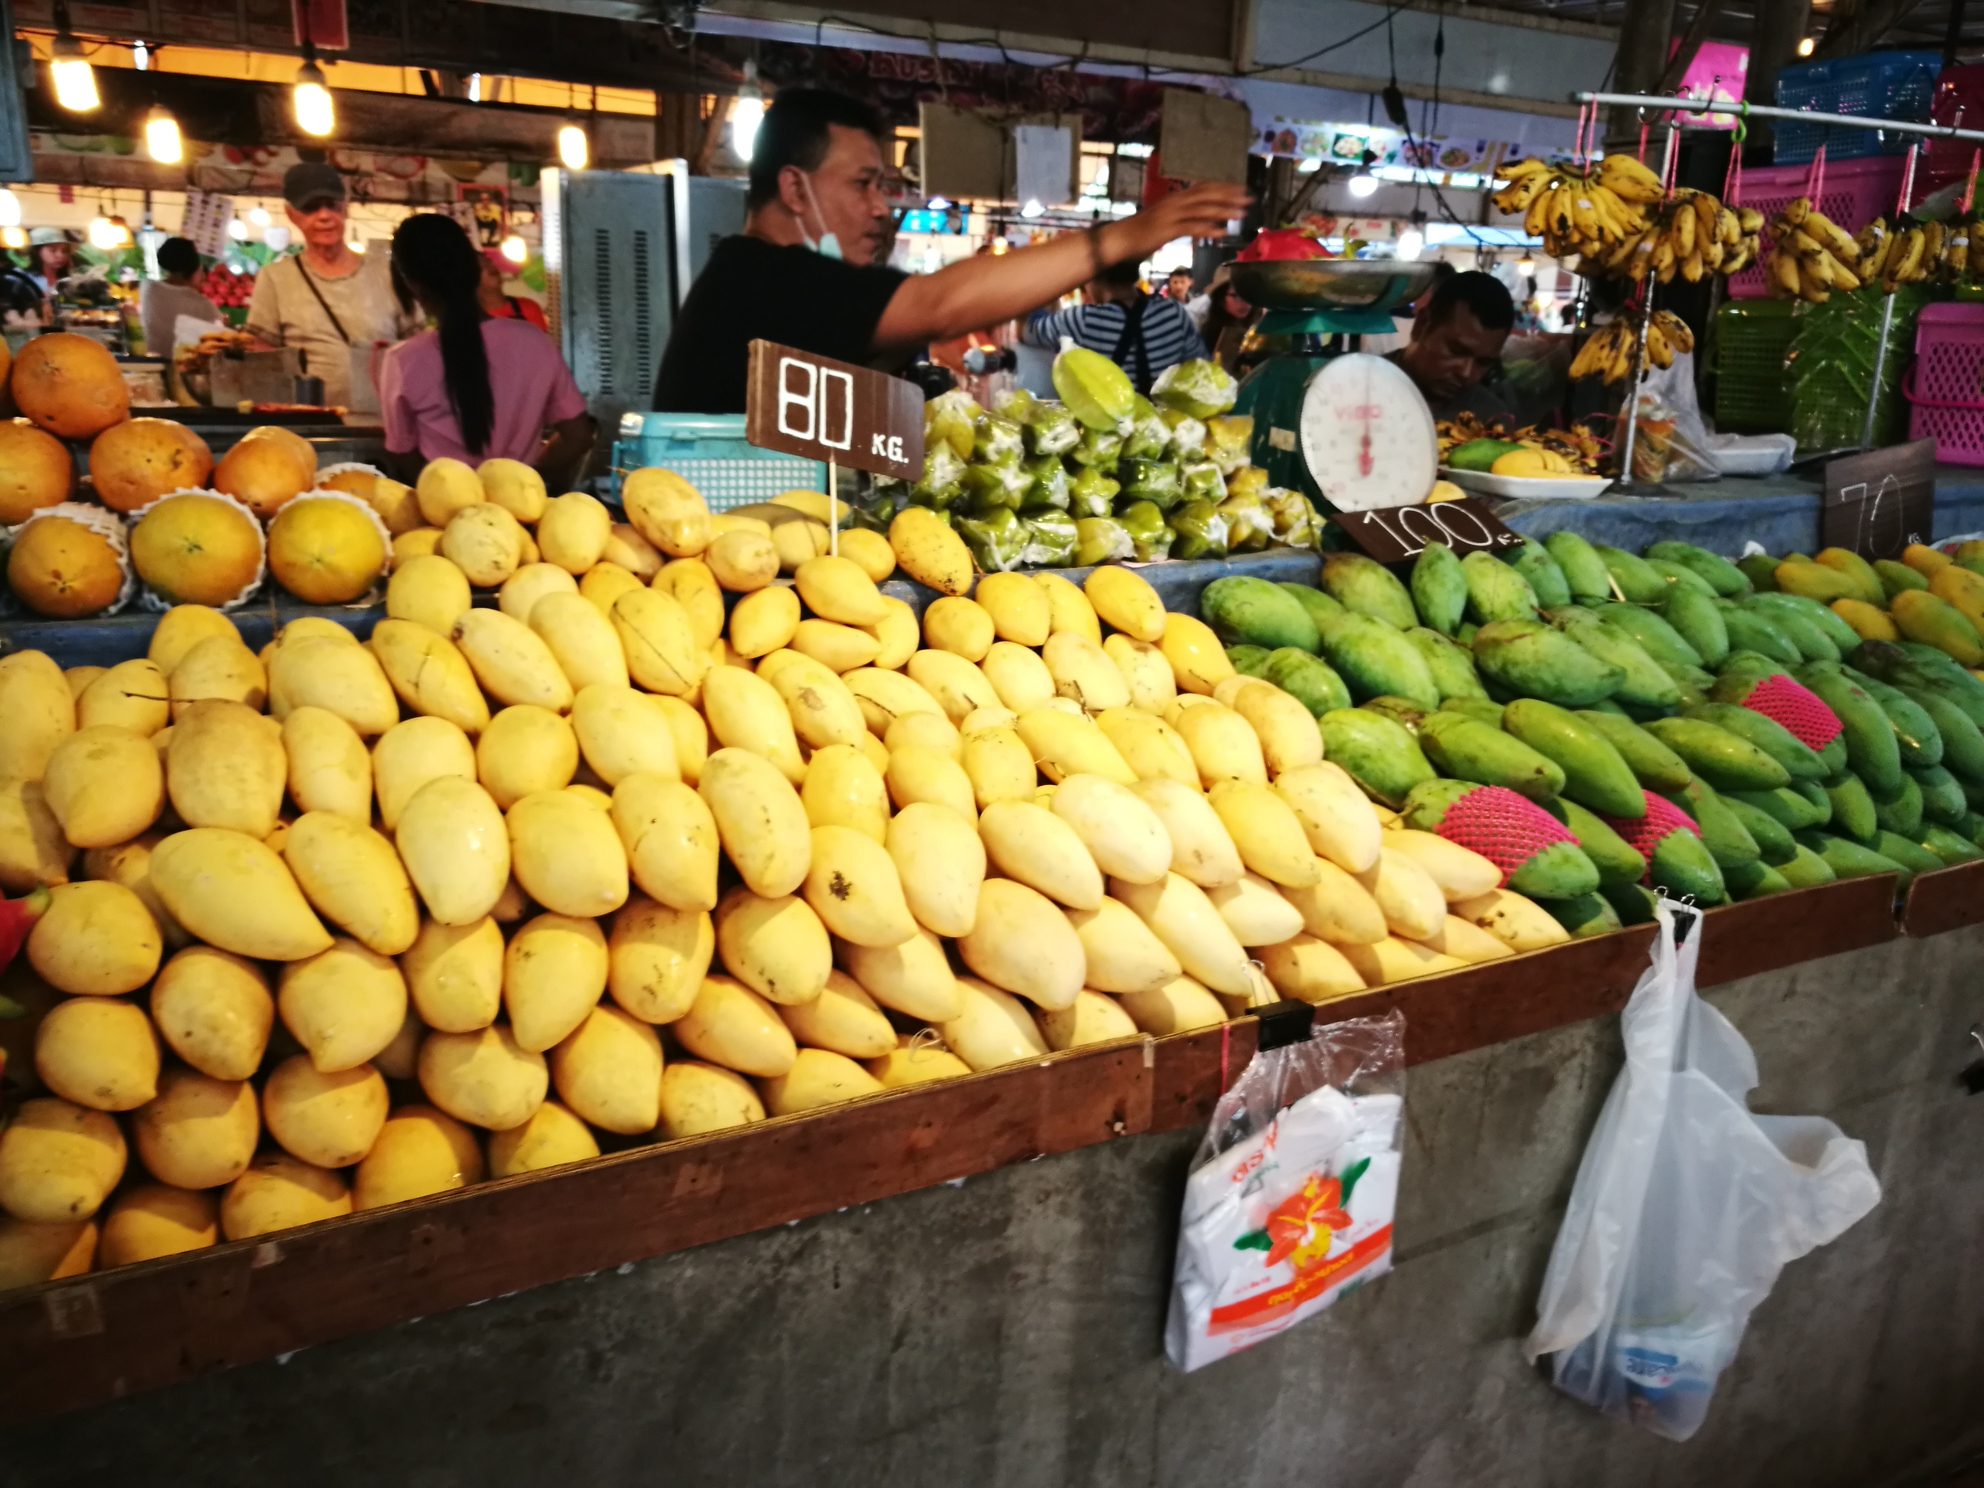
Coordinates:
1760 111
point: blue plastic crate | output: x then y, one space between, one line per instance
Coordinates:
709 451
1880 85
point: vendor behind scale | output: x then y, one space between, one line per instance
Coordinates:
804 272
1456 347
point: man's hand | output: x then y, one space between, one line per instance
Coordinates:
1201 211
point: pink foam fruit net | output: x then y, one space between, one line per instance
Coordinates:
1796 709
1662 817
1505 828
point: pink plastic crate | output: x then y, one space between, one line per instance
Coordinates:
1945 386
1958 101
1853 194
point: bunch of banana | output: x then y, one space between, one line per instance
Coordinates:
1692 234
1609 351
1749 244
1907 251
1579 211
1810 256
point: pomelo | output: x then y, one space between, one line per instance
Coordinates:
325 550
35 470
63 568
70 385
134 463
196 549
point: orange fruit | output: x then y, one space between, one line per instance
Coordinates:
196 549
134 463
262 474
62 568
70 385
325 550
35 470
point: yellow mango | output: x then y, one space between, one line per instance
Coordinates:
524 750
485 542
995 1028
343 677
1466 942
278 1192
917 773
843 789
1122 954
329 769
1069 610
1179 1006
817 1078
690 735
666 510
551 1138
429 674
744 561
759 819
1198 661
1458 872
838 648
916 1064
689 582
896 634
33 1253
924 731
1395 960
608 1070
732 1026
58 1161
1152 748
33 851
514 486
1145 672
520 592
822 709
344 1005
511 661
180 629
1925 560
1264 827
1118 828
837 589
105 785
225 767
94 938
456 848
1869 622
197 1132
960 626
133 695
420 1151
213 1009
410 755
1306 969
1083 671
484 1078
622 732
699 1098
219 667
1202 849
776 947
37 712
959 687
606 581
853 886
329 1120
554 971
1031 844
940 862
574 531
1018 607
764 621
444 488
454 974
1178 912
155 1220
1256 911
657 958
913 978
929 551
843 1019
998 765
1093 1018
1335 816
1021 941
352 877
98 1052
670 838
1018 676
1517 922
581 641
1125 601
660 642
567 855
746 712
1067 744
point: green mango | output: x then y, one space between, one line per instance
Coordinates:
1785 806
1681 865
1761 570
1249 660
1616 860
1530 659
1952 847
1816 795
1463 749
1632 902
1402 711
1914 730
1375 659
1647 686
1852 807
1963 741
1942 796
1697 621
1724 577
1812 642
1751 630
1719 757
1740 671
1905 850
1558 871
1307 679
1807 869
1480 709
1243 610
1478 454
1753 881
1439 588
1380 755
1871 747
1368 587
1464 633
1800 760
1847 859
1585 916
1654 635
1495 591
1654 765
1583 569
1632 579
1843 636
1589 770
1606 705
1679 578
1723 833
1427 802
1973 828
1904 813
1772 837
1319 605
1451 664
1896 577
1692 683
1546 580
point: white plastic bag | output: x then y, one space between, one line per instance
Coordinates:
1292 1193
1685 1209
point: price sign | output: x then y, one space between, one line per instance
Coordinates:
1398 534
835 412
1878 503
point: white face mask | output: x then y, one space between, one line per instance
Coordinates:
828 245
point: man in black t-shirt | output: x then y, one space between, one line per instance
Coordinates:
803 272
1457 340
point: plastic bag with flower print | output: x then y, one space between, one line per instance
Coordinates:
1290 1200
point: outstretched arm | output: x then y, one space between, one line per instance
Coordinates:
985 291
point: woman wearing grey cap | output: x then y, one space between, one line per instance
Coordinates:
326 300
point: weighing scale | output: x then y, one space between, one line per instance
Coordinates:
1348 429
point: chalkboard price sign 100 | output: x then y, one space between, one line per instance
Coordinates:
1400 533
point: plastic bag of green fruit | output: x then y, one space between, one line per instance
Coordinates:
943 476
1201 531
1200 480
1149 435
1248 480
989 486
1230 441
1051 540
1101 540
1199 387
951 419
1150 539
1188 435
1151 480
997 539
997 441
1297 524
1091 493
1049 484
1096 390
1098 449
1249 525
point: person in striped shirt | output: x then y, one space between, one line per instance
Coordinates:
1143 334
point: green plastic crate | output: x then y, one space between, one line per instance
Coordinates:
1752 393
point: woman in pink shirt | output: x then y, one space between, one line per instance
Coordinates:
474 388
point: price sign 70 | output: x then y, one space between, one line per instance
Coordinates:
1399 533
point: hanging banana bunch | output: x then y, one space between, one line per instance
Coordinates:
1579 212
1608 353
1909 251
1691 235
1810 255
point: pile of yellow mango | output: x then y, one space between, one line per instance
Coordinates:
346 923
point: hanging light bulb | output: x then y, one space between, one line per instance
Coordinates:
10 208
475 87
75 79
237 229
515 249
1363 184
747 114
1033 208
259 216
1526 266
13 237
162 140
1411 243
311 99
354 242
1805 45
104 232
574 150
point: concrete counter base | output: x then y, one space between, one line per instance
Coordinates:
1008 1331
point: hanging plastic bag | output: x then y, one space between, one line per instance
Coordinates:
1291 1196
1686 1207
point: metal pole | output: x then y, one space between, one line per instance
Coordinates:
1759 111
1880 363
1630 410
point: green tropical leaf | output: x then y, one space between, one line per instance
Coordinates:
1254 1240
1349 1180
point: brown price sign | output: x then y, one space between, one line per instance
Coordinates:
1878 503
835 412
1399 533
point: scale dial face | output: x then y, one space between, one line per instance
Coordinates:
1367 435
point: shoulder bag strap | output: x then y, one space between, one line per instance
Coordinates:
310 280
1131 345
